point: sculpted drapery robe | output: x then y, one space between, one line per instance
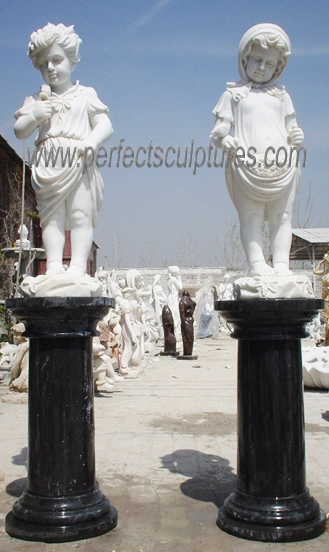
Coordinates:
54 178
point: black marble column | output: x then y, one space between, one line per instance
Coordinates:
62 501
271 502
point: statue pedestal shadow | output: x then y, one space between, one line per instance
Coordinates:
62 501
271 502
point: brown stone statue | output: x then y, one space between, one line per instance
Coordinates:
186 310
169 332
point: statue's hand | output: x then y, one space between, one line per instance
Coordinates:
229 143
87 150
221 129
42 110
296 136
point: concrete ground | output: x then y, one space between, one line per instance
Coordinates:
166 457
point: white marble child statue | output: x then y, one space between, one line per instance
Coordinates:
174 287
263 120
67 116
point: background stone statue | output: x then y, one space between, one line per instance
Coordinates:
128 337
102 277
159 299
169 332
207 323
174 287
20 366
104 374
23 235
186 310
136 294
323 270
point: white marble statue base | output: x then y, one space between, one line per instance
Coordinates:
61 285
273 287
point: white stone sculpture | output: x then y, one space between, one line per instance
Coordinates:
115 337
225 289
322 269
316 329
207 322
71 122
315 366
256 126
226 293
104 374
138 296
159 300
174 287
128 338
23 233
291 286
102 276
7 354
151 327
61 285
20 366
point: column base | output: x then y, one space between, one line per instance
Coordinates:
49 519
267 519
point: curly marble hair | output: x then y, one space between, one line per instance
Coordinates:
66 37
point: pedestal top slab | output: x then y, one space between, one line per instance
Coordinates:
269 318
59 302
60 316
279 304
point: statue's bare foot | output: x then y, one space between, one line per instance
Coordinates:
282 269
123 371
128 373
116 377
75 270
132 374
104 387
54 267
261 269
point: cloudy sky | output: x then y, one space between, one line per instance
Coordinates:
160 66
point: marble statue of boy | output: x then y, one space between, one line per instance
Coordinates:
71 120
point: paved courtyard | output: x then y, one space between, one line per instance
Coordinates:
166 457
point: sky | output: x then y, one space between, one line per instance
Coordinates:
161 66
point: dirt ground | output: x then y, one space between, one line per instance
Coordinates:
166 457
